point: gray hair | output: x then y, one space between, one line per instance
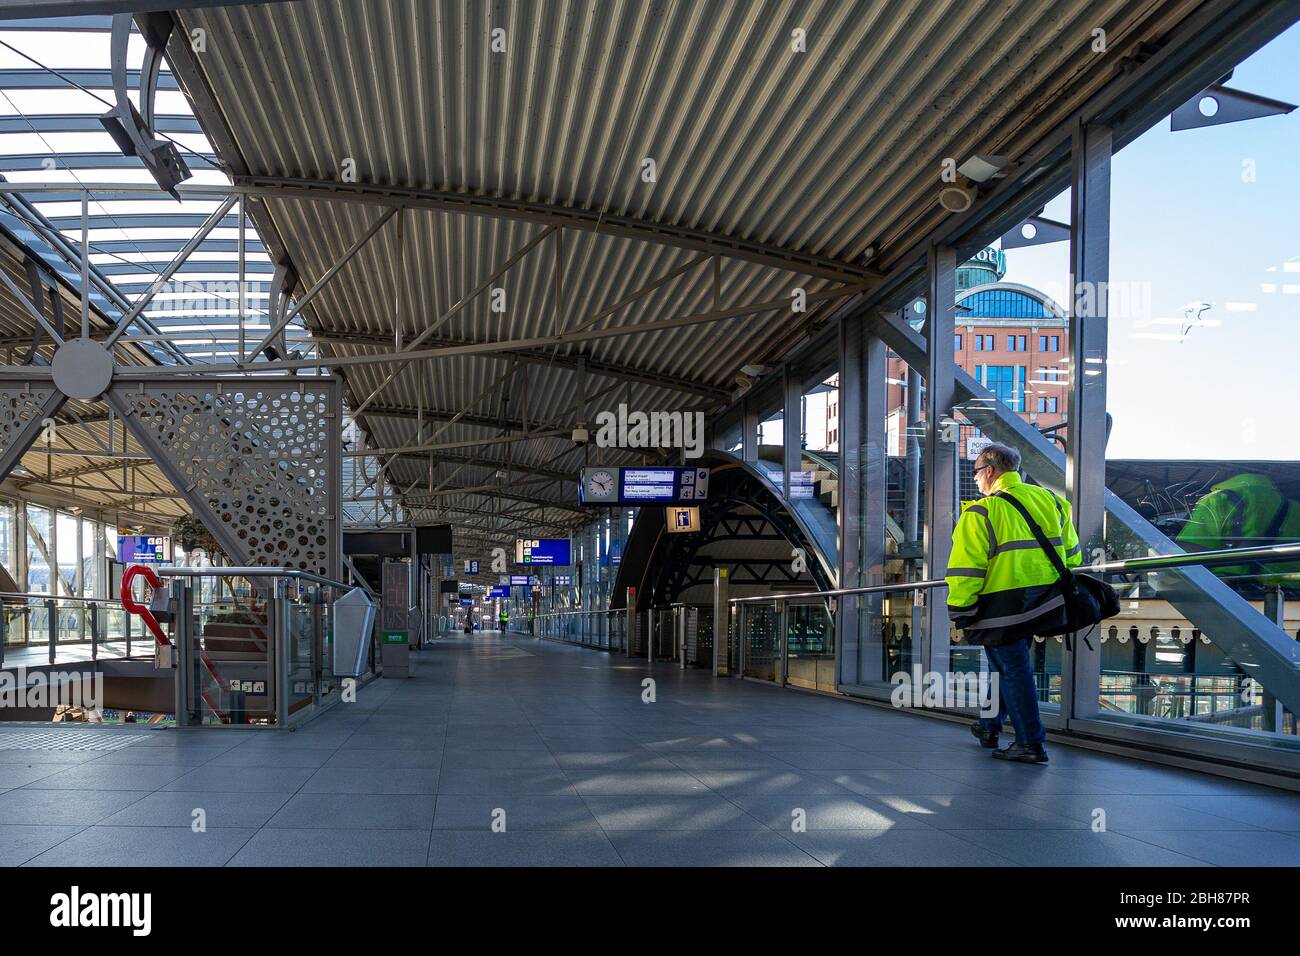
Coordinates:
1001 457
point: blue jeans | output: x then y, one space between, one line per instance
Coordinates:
1017 693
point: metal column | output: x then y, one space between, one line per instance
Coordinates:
1085 461
941 445
182 649
721 620
791 428
853 441
749 435
875 491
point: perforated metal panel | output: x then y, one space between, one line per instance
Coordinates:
23 407
257 460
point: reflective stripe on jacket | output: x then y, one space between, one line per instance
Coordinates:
998 576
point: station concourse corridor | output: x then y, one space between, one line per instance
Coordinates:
557 740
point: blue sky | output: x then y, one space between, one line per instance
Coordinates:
1189 226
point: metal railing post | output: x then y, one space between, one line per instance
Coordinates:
780 616
52 625
279 679
629 627
721 616
182 650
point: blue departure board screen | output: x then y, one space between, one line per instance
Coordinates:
650 486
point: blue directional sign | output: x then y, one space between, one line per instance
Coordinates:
143 549
499 591
554 552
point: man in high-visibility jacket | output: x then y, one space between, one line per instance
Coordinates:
1001 584
1245 511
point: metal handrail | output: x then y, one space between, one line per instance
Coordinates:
253 572
576 611
1260 554
57 597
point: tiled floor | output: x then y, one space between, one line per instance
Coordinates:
509 751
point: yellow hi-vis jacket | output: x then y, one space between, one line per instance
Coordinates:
1245 511
999 580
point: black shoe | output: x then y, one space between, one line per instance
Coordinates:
987 740
1022 753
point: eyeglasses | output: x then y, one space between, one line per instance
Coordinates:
979 469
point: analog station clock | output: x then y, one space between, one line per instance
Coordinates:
599 485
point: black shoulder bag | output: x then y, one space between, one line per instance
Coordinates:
1088 600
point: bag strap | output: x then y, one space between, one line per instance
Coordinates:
1066 579
1062 572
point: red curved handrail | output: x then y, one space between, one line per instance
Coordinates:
145 614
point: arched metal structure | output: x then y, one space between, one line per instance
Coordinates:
744 507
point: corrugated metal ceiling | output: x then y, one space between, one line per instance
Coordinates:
816 154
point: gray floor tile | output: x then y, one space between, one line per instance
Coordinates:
63 807
316 847
770 783
707 812
356 811
176 808
521 848
541 782
96 776
599 760
1227 848
243 780
371 780
748 759
361 741
1017 781
969 811
1278 811
917 847
11 757
16 775
761 848
818 760
1074 848
145 846
614 783
1125 812
21 842
516 811
186 758
254 757
386 759
499 760
903 781
847 811
558 738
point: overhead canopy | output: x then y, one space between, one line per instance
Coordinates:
603 202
